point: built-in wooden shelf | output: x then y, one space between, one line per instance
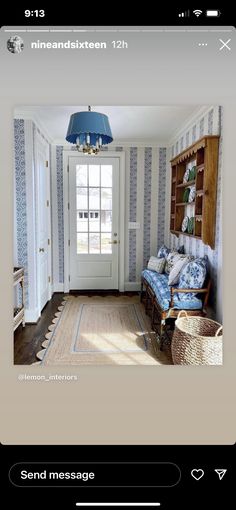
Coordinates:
177 233
200 168
203 155
199 192
183 204
185 184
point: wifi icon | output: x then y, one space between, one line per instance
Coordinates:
197 12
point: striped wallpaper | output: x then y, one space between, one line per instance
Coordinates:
132 212
147 196
147 204
21 243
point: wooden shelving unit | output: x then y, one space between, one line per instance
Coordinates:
204 156
19 313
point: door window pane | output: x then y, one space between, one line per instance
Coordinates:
94 208
94 222
82 243
106 198
106 247
106 221
94 198
81 175
94 243
94 175
106 176
82 222
82 198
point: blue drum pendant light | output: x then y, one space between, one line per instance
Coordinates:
89 131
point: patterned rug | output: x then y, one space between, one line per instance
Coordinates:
101 331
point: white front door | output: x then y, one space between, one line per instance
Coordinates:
94 222
42 173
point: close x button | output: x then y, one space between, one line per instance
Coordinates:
95 474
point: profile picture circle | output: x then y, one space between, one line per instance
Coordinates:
15 44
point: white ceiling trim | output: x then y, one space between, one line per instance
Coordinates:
21 114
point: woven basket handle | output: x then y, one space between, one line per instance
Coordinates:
185 314
219 330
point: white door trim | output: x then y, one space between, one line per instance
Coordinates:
40 141
109 154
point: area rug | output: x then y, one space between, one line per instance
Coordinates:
101 331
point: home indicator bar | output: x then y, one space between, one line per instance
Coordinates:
119 504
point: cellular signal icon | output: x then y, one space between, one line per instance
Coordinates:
184 14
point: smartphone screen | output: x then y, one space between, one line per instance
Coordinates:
117 262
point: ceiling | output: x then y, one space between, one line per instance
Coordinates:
128 123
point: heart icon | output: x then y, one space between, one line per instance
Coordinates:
197 474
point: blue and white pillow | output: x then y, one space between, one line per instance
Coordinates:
193 275
163 252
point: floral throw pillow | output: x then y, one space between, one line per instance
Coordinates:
156 264
163 252
171 260
193 275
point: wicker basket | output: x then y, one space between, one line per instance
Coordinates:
196 341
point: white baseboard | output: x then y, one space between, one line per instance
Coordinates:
129 286
58 287
32 315
132 286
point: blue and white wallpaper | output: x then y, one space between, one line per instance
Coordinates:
23 174
60 211
20 197
147 204
132 213
161 198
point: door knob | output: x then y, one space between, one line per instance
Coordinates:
41 249
113 242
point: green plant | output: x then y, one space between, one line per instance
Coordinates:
186 194
192 174
190 225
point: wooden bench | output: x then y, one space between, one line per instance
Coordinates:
159 316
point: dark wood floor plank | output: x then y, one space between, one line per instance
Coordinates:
28 340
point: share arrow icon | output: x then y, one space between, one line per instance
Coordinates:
220 473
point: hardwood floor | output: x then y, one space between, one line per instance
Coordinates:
28 340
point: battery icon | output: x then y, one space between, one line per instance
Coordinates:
213 14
